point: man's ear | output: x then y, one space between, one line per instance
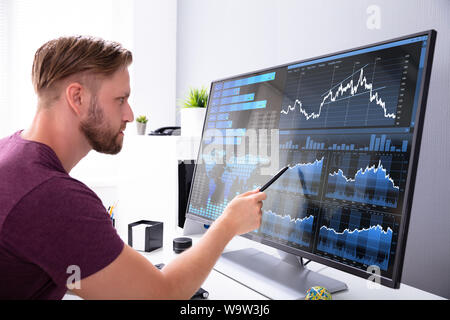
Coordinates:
76 97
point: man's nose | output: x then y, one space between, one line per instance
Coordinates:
128 115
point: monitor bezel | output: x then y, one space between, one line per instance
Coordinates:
393 282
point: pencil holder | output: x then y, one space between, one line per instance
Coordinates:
145 235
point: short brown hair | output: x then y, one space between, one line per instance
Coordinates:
66 56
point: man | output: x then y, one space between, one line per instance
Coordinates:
50 222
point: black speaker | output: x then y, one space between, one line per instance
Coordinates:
185 173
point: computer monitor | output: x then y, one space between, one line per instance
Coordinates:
349 126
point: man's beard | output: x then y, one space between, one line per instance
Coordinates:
99 134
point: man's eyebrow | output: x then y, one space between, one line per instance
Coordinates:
125 95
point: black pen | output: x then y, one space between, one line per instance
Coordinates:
264 187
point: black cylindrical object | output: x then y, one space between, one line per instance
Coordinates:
181 244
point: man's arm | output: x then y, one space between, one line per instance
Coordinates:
132 276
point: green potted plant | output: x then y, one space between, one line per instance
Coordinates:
193 110
141 123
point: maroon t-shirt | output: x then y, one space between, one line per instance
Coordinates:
51 225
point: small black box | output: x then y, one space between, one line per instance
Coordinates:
153 238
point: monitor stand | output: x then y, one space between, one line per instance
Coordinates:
275 278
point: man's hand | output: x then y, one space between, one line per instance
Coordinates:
243 213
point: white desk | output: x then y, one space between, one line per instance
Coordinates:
220 286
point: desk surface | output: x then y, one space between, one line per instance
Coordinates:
222 287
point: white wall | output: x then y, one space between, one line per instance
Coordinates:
153 83
217 39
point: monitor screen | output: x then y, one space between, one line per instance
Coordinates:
348 125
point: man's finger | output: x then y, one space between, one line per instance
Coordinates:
245 194
259 196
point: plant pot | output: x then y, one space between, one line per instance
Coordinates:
192 120
141 128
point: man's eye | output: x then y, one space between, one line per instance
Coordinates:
121 100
